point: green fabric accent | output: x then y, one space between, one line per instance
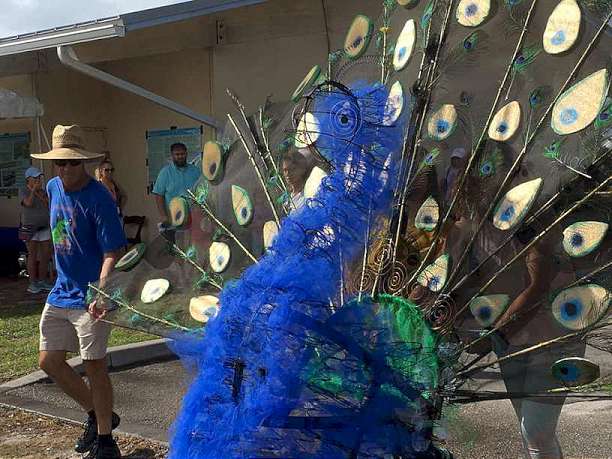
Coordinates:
422 365
412 353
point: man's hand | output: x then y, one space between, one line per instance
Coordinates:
96 311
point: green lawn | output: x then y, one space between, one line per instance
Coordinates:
19 340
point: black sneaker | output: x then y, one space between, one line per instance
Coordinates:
109 450
90 433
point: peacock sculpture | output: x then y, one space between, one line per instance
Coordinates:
455 219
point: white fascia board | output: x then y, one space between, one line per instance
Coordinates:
63 37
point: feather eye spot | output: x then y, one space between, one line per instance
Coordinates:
442 122
484 314
434 283
575 371
577 308
579 106
577 240
502 128
486 169
568 116
507 214
570 310
442 126
582 238
402 52
471 9
558 38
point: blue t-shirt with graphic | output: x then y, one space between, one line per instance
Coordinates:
84 226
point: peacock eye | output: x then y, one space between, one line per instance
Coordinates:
346 119
203 308
428 215
562 27
505 122
358 37
307 131
575 371
306 83
486 169
515 204
579 106
487 309
577 308
582 238
270 230
404 45
394 104
153 290
242 205
471 13
442 122
179 211
212 158
219 255
434 276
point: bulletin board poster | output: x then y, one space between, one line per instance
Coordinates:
14 160
158 148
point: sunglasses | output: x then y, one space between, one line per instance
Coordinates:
109 170
64 162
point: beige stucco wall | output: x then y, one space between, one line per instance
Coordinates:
267 49
22 84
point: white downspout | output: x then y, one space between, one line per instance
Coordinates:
68 57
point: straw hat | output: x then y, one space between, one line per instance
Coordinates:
67 143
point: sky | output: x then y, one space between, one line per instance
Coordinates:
23 16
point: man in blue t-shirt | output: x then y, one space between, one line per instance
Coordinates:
174 180
87 236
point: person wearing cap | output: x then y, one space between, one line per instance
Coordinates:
34 230
457 160
87 236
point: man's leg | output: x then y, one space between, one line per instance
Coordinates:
102 393
44 248
54 364
32 261
93 340
57 336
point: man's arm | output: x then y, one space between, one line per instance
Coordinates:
108 263
161 208
159 191
28 199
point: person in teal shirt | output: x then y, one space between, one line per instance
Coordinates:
174 180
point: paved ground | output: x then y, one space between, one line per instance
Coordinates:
13 293
25 435
147 397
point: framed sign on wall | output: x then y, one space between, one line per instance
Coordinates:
158 148
14 160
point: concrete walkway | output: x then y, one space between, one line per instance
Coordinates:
147 397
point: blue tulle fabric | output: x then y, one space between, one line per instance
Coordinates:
279 373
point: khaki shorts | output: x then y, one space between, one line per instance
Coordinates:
73 330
